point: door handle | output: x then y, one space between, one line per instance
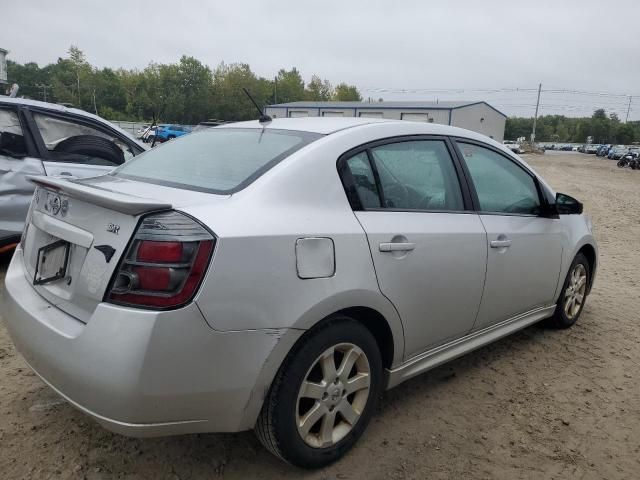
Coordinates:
397 247
500 243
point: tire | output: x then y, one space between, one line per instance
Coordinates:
633 164
92 146
285 406
622 163
561 318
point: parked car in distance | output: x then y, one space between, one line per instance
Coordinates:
141 131
169 132
513 146
603 150
38 138
567 148
617 152
278 276
591 149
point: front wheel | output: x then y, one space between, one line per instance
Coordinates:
573 295
323 395
622 163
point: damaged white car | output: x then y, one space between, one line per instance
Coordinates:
38 138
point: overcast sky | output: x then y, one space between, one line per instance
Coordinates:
380 46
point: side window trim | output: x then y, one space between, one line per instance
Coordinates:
376 177
474 195
38 141
458 166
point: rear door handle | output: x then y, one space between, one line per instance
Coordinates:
397 247
500 243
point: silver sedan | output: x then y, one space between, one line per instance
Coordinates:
278 276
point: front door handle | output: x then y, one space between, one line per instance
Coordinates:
500 243
397 247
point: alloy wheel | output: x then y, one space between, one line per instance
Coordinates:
575 291
333 395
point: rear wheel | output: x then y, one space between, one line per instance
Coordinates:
323 395
573 295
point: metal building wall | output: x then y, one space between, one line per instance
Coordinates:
480 118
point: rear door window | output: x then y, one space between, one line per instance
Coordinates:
12 142
217 160
418 175
71 141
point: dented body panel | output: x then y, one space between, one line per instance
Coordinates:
15 193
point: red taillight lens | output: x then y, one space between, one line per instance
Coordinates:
154 251
153 278
165 263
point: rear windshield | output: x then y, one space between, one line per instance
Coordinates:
217 160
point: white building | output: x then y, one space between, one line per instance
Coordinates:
3 66
477 116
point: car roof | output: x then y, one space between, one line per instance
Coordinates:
321 125
329 125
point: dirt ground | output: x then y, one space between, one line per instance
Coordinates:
540 404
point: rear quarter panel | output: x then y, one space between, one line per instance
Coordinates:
253 282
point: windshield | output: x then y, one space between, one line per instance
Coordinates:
217 160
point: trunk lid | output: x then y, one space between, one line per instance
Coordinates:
79 229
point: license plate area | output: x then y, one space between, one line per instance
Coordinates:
51 263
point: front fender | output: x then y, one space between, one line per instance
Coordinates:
578 235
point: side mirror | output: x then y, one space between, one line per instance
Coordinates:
566 205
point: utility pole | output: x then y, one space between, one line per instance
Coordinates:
275 94
628 110
78 79
95 107
535 119
44 93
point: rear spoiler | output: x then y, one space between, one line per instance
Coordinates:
119 202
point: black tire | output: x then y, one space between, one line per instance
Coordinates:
633 164
622 163
92 146
560 319
276 426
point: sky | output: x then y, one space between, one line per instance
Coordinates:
492 50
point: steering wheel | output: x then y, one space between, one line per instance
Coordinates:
525 206
424 202
395 195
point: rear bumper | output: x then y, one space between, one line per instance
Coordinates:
140 372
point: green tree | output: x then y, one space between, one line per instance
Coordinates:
229 100
345 93
290 86
318 90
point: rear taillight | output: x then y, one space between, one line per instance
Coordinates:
165 263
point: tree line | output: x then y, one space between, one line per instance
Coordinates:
602 128
184 92
189 92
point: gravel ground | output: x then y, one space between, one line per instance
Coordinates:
539 404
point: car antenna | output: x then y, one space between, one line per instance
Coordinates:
263 118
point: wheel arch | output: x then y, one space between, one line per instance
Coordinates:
381 319
590 253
